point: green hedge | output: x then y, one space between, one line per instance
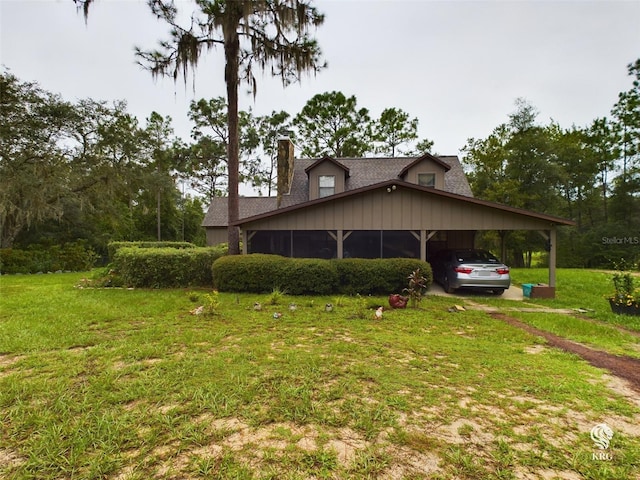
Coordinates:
72 256
378 276
166 267
259 273
113 247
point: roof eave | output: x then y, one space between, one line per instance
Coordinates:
426 156
327 159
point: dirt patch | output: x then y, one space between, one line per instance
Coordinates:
10 459
9 360
535 349
627 368
347 444
622 387
547 474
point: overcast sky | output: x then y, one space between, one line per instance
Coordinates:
456 66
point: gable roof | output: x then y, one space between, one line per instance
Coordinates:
426 156
326 159
360 173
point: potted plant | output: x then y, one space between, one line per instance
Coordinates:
398 301
626 299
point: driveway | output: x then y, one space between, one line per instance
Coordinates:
513 293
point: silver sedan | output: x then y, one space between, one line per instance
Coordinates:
458 268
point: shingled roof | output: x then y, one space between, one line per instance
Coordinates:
363 172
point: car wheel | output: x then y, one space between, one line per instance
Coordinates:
447 286
498 291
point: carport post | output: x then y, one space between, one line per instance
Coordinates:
552 257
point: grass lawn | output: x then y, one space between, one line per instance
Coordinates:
578 289
128 384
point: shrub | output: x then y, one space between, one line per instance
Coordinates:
77 257
166 267
15 261
262 273
399 269
310 276
257 273
378 276
625 291
72 256
357 275
113 247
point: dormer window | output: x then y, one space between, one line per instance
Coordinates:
326 185
427 179
327 177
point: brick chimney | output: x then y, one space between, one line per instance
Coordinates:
285 167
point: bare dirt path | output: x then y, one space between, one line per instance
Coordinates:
627 368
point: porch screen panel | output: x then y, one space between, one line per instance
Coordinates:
277 242
363 244
400 244
314 244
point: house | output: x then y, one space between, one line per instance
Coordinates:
370 208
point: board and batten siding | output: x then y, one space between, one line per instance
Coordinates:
400 209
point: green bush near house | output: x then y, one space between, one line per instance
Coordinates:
113 247
247 273
166 267
260 273
378 276
310 276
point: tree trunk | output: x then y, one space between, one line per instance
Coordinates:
604 196
8 234
231 51
158 216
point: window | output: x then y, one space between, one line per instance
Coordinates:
326 185
427 179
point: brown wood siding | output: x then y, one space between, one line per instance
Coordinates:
402 209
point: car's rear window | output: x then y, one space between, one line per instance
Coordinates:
476 256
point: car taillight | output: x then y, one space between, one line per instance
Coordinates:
502 271
463 270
